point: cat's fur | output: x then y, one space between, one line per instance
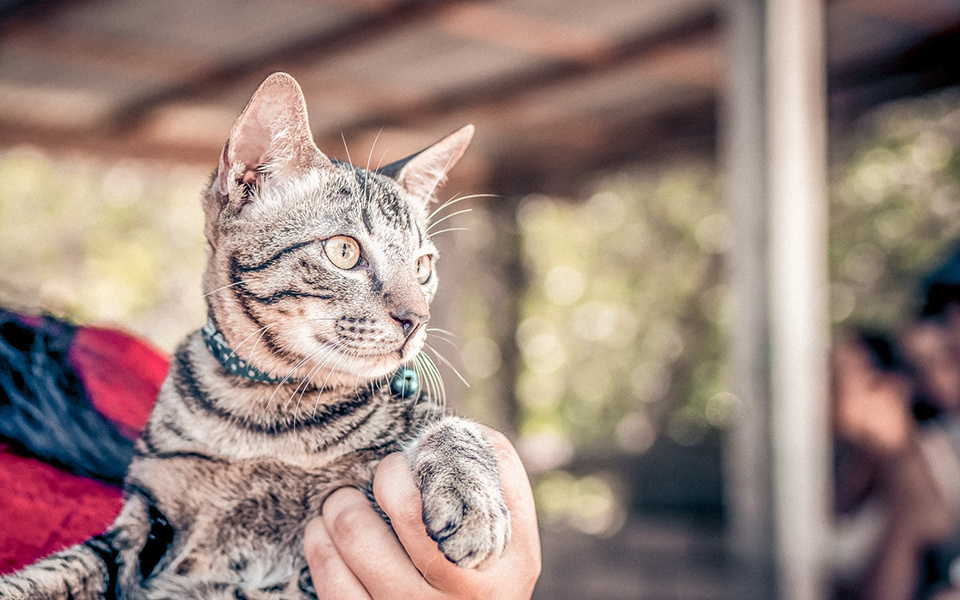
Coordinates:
229 470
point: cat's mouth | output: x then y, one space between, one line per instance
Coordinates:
372 363
412 345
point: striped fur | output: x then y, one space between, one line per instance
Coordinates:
229 470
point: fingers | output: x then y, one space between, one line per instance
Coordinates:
369 549
398 496
331 576
524 548
517 571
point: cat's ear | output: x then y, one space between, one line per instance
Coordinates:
271 141
422 173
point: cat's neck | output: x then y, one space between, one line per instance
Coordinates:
267 367
204 410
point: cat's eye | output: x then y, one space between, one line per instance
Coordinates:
424 268
343 251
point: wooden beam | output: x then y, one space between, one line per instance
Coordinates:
918 14
86 50
501 26
105 145
927 65
308 50
488 95
659 138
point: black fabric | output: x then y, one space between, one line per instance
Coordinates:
44 410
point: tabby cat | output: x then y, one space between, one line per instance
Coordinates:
318 284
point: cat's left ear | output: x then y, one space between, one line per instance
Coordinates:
422 173
271 141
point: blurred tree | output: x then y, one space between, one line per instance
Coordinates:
895 208
109 243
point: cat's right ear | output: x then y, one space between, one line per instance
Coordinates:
269 143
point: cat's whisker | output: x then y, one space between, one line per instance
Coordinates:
372 146
347 150
447 340
316 368
439 330
446 362
252 350
323 387
422 376
436 377
223 287
456 199
290 374
261 331
304 384
445 217
287 377
348 367
436 233
438 334
433 379
433 375
308 380
380 162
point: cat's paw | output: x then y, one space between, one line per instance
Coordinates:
463 506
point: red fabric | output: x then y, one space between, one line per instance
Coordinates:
44 509
121 374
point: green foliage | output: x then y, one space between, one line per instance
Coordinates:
118 243
621 333
895 209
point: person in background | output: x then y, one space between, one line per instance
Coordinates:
897 421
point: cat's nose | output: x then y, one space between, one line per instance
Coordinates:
408 320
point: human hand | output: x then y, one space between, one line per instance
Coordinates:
353 554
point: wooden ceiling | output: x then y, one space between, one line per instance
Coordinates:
558 89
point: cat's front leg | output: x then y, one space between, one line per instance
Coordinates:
463 506
86 571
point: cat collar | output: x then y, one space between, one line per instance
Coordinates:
228 358
404 384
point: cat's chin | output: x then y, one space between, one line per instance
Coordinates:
379 366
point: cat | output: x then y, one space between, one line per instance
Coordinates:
319 281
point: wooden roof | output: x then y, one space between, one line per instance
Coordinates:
558 89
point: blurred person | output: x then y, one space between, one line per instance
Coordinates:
889 497
897 419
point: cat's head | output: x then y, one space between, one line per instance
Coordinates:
319 269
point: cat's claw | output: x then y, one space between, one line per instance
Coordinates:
471 536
